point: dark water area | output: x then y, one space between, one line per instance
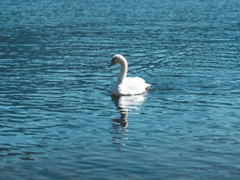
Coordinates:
58 119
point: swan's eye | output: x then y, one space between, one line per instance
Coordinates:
112 62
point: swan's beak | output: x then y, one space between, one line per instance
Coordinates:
111 64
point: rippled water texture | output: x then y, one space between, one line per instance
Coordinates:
58 119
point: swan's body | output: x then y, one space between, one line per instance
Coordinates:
127 85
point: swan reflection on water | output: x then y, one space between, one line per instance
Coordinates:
125 105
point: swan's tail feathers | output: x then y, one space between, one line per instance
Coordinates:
148 87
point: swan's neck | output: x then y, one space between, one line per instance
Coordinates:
123 71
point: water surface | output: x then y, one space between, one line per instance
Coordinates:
58 119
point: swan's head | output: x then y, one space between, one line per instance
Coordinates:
117 59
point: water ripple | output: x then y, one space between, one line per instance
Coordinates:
59 121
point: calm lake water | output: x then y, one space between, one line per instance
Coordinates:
58 119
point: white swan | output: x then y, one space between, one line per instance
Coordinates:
127 85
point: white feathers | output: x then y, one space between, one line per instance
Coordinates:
127 85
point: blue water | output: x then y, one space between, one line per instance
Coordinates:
58 119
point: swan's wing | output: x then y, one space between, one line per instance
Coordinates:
135 85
